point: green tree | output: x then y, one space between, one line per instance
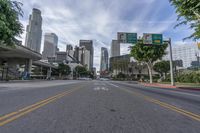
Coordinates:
121 75
10 26
188 13
81 71
139 67
162 67
148 54
64 70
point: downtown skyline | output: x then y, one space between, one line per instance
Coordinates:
101 20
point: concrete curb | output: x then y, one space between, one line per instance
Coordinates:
158 85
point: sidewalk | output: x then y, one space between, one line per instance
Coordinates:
170 86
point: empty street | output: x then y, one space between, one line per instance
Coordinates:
96 107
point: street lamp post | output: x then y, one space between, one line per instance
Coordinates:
171 63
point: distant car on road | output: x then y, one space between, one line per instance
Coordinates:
84 79
104 79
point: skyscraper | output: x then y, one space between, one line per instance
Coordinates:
69 50
76 54
104 59
50 45
84 57
34 31
88 44
115 48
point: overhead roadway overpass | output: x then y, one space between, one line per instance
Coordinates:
18 55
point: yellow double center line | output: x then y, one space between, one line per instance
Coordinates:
5 119
166 105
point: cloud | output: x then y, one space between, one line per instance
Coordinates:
100 21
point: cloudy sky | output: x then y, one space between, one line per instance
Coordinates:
100 20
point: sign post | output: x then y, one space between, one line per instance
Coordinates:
171 63
157 39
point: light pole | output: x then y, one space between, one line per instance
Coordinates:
171 63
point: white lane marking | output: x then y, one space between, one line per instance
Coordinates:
114 85
101 88
173 91
97 88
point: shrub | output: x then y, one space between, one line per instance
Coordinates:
192 77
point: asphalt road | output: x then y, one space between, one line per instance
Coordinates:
96 107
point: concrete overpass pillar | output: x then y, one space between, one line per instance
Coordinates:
49 73
30 62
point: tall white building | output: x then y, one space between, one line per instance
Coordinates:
187 53
84 57
88 44
50 45
115 48
34 31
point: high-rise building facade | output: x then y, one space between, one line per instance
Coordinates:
50 45
88 44
76 54
34 31
84 57
61 57
115 48
104 59
187 53
69 50
69 47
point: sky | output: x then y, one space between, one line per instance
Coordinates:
100 20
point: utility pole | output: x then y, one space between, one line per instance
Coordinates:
171 63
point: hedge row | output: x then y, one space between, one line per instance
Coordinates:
192 77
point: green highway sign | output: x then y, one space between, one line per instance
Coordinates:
124 37
131 37
155 39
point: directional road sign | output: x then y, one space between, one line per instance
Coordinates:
150 39
124 37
